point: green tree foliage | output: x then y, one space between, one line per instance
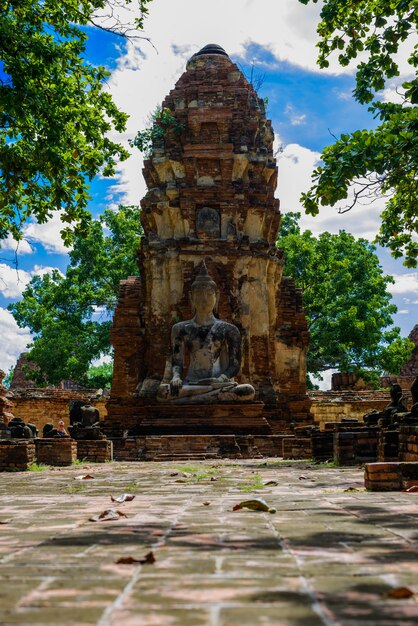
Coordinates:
100 376
7 380
55 113
383 161
161 121
346 299
70 316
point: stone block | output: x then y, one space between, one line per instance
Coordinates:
356 447
390 476
16 454
95 451
57 451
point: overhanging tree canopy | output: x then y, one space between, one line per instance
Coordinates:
55 110
383 161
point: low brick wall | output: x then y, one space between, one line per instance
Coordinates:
295 447
390 476
16 455
179 447
40 406
356 447
408 443
322 445
334 406
388 445
57 451
95 451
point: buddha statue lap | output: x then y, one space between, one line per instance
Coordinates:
214 349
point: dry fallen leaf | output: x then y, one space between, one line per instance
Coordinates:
5 521
84 477
213 478
129 560
125 497
271 482
180 480
412 489
174 474
206 503
107 515
350 489
303 477
399 593
258 504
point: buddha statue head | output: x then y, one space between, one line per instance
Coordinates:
204 292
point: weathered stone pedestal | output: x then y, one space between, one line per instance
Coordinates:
16 455
94 450
390 476
57 451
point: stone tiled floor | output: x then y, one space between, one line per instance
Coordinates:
326 557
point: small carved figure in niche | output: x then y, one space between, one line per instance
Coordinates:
214 348
89 425
392 413
208 223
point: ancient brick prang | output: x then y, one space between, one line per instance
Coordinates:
211 181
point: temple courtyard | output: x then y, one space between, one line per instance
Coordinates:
177 554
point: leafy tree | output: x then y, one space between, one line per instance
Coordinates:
100 376
70 316
55 114
383 161
7 380
345 295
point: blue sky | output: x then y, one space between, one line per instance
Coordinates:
276 42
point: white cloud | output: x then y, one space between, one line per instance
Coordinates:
294 118
18 247
48 234
405 283
403 312
13 281
13 340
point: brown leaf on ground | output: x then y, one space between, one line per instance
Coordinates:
412 489
181 480
206 503
399 593
107 516
271 483
213 478
258 504
124 497
303 477
351 489
149 559
84 477
5 521
174 474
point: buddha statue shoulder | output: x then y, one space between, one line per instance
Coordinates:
214 350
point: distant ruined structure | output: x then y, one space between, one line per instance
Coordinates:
211 181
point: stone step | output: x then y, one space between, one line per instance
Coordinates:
186 457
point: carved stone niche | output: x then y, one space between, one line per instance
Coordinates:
208 223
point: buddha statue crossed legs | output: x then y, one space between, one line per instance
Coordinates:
214 349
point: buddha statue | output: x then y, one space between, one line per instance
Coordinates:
214 350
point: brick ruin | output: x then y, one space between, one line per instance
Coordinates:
211 181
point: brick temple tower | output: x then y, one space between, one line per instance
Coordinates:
211 181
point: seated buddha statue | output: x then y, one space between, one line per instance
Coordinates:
214 350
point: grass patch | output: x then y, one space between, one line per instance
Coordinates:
38 467
254 484
76 488
79 462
